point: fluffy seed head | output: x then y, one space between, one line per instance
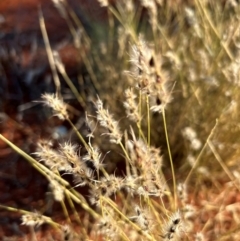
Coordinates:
57 190
172 228
106 120
58 106
35 219
131 106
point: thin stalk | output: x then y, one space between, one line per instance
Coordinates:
170 45
222 164
12 209
104 172
125 152
79 135
77 21
90 69
84 205
156 214
38 166
118 17
209 20
113 205
65 212
157 205
140 113
73 208
122 233
127 162
46 172
141 133
170 158
111 31
200 154
148 121
70 26
49 52
74 89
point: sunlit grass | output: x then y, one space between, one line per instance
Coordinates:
165 103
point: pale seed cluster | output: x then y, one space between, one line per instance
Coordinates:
58 106
106 120
35 219
149 75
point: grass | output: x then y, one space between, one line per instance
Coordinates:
166 108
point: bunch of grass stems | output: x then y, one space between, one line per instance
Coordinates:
143 203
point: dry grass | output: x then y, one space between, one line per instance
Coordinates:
166 108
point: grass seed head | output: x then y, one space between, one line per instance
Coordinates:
106 120
58 106
35 219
